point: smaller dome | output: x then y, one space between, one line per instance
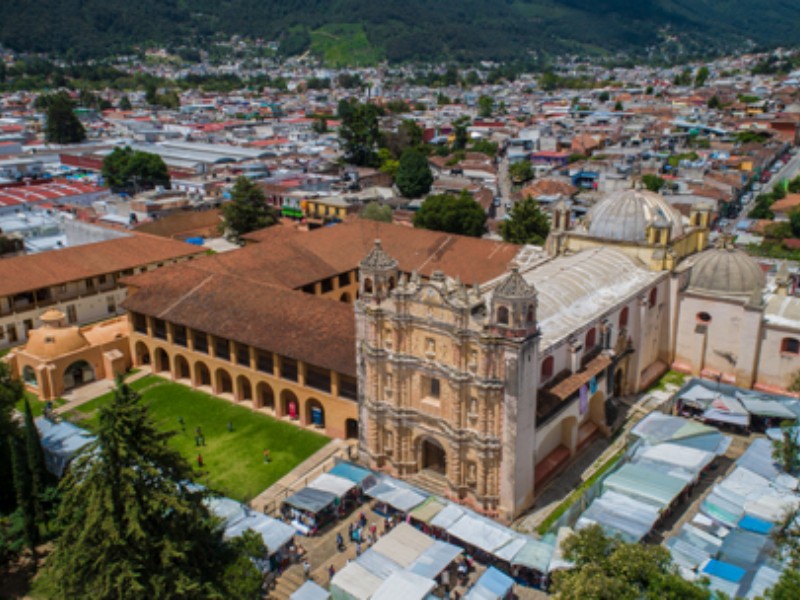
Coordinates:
48 342
53 317
726 272
378 259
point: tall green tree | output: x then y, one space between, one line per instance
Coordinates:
485 107
11 392
35 457
453 214
527 224
359 133
610 569
125 103
128 169
413 177
131 526
460 134
247 211
61 124
23 487
652 182
786 450
375 211
701 76
521 171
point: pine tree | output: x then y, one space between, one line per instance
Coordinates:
62 126
131 525
23 488
247 211
36 467
11 391
414 177
527 224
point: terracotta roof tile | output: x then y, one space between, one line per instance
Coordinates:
34 271
310 328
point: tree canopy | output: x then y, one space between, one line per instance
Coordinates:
413 177
527 224
520 171
247 211
654 183
610 569
128 169
453 214
375 211
359 133
62 126
130 524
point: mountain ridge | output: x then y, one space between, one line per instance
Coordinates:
399 31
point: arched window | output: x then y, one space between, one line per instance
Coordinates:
790 346
547 368
391 283
29 376
623 318
704 317
368 286
591 338
653 297
529 318
502 315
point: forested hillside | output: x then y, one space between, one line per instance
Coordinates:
407 30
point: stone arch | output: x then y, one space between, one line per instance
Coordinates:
346 298
314 413
244 391
181 367
29 376
223 384
142 353
202 374
161 360
351 429
77 374
265 397
619 382
290 405
431 455
367 285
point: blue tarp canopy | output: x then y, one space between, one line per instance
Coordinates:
311 500
724 570
347 471
60 442
493 584
755 525
310 591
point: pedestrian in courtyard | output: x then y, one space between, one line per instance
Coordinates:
230 427
197 441
331 572
358 548
307 569
350 531
200 460
181 423
373 529
266 455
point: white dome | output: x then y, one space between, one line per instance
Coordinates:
625 216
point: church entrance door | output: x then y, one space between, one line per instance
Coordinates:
433 457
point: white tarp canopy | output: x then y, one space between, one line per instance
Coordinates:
691 459
354 582
404 585
481 533
403 544
447 516
338 486
310 591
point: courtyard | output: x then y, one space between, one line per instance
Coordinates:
234 437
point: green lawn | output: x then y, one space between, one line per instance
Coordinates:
233 461
37 406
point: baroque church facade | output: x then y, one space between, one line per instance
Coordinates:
484 392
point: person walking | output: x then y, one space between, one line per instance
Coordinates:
266 455
307 569
200 460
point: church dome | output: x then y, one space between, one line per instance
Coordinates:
726 272
50 342
625 216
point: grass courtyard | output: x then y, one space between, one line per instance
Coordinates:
233 460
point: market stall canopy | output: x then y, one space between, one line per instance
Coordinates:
338 486
310 591
535 554
354 582
404 585
492 585
403 544
60 442
311 500
357 475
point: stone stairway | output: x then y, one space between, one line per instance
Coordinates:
287 583
430 481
